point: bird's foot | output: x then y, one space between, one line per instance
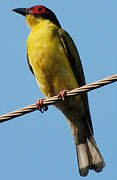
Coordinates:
40 106
62 94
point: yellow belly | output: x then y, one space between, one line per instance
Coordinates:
49 62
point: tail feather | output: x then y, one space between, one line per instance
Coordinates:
89 157
96 158
83 159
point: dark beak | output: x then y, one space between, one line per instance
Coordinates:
22 11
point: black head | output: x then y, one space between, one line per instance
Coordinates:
39 12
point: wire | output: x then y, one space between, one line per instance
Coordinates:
54 99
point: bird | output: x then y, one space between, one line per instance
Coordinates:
54 60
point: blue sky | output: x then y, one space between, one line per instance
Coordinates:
40 146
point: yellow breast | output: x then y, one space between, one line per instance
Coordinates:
48 59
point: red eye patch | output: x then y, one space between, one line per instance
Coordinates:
38 10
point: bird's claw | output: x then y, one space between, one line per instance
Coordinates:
62 94
40 106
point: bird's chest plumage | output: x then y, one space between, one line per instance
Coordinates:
48 60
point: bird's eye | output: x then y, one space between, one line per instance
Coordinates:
39 9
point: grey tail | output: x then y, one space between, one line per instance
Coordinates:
89 157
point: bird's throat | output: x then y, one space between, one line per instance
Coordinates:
32 21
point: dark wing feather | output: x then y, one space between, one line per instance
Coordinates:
30 67
74 59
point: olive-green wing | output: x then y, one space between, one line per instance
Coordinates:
74 59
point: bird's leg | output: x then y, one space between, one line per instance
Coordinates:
40 106
62 94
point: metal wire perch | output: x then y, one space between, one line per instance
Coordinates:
54 99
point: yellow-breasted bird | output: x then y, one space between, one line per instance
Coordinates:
54 60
